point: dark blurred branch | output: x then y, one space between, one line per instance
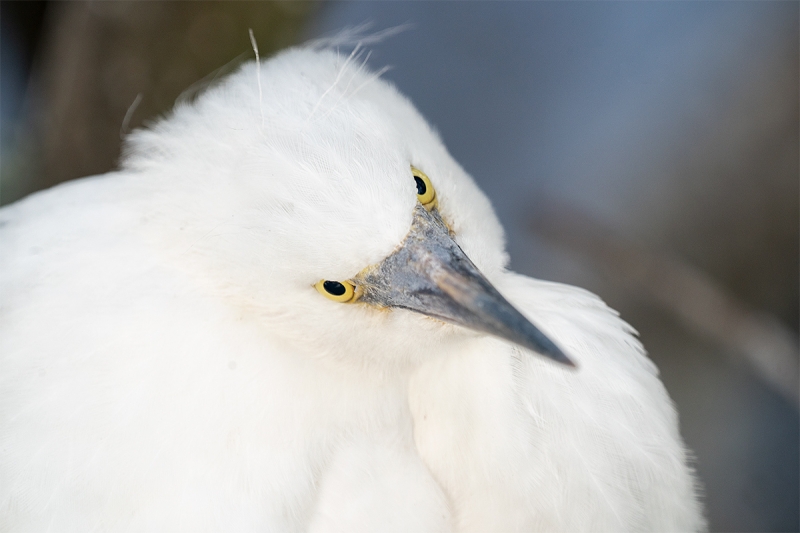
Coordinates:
697 300
96 58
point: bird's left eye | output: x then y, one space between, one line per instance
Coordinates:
426 194
338 291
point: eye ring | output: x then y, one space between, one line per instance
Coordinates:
426 194
338 291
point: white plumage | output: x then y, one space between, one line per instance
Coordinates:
166 363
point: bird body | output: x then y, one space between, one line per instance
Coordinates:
166 362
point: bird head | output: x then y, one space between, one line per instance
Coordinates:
312 196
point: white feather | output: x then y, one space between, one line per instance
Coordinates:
166 364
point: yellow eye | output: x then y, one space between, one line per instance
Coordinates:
426 194
338 291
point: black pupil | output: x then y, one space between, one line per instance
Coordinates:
421 188
334 287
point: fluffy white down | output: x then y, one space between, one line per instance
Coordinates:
167 365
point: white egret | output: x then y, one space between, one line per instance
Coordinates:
284 313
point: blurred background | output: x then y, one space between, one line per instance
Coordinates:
647 151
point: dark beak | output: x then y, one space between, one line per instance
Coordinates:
430 274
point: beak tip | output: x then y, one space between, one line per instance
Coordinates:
542 345
560 357
570 363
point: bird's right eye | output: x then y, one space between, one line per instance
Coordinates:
338 291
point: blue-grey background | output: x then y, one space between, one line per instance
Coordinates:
672 127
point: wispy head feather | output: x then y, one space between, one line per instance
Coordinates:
356 37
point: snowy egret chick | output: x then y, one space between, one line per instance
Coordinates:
290 311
